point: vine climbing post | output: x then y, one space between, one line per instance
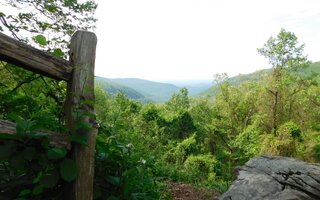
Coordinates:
80 114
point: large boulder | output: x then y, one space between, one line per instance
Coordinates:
275 178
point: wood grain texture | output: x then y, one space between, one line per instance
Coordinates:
56 139
22 55
80 101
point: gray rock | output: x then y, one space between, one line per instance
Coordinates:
275 178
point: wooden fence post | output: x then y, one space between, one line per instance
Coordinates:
80 111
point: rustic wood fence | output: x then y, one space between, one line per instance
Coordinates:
78 72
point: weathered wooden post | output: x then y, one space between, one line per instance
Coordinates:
80 109
80 115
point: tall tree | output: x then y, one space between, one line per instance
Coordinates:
285 54
179 101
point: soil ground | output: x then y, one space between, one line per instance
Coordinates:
182 191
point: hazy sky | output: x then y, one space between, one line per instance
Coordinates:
195 39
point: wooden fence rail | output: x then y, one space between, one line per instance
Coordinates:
22 55
56 139
79 74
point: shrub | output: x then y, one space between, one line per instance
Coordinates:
292 129
119 172
249 141
200 167
316 152
284 143
182 150
30 168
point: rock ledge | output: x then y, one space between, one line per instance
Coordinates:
275 178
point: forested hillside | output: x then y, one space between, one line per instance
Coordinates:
139 89
312 70
157 92
195 87
143 148
151 91
114 88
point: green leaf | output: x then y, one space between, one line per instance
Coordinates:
28 153
58 53
45 143
40 39
78 139
5 136
89 102
68 170
97 192
38 176
25 126
51 8
114 180
24 192
90 114
7 149
50 179
17 161
37 190
113 198
83 126
56 153
14 116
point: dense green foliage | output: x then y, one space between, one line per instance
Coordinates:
30 167
141 146
200 141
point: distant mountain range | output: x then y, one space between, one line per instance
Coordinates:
151 91
155 91
113 88
139 89
146 91
195 87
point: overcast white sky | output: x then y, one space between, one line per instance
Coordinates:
195 39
